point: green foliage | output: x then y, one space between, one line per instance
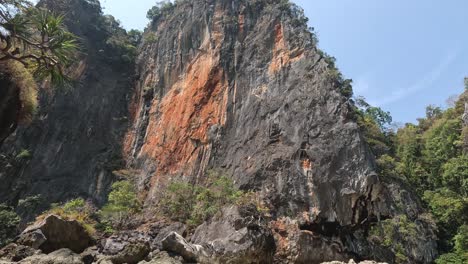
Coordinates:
194 204
442 143
455 175
9 221
24 154
76 209
36 38
121 45
122 204
461 241
447 206
335 76
220 191
160 9
373 122
387 166
394 233
179 201
135 37
29 205
430 156
150 37
451 258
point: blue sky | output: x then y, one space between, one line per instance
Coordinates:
402 55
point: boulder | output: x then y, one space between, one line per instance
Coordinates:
15 252
353 262
117 242
54 233
132 253
90 255
33 239
61 256
163 258
177 244
164 231
238 235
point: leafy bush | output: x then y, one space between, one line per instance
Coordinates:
194 204
9 221
23 154
461 241
29 205
451 258
220 191
161 8
455 174
334 75
76 209
121 45
394 233
121 206
447 206
150 37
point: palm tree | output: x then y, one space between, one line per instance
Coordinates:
36 38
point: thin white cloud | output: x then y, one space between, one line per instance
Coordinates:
362 84
424 83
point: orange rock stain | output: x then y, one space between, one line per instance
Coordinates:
179 124
282 56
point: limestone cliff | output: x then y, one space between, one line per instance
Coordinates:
75 141
241 85
227 84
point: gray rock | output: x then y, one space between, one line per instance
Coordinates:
76 140
162 258
90 255
58 233
256 98
231 84
15 252
177 244
132 253
33 238
61 256
117 242
162 233
353 262
236 236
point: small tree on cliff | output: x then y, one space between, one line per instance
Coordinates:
36 38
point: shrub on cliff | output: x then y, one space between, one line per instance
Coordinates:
161 8
194 204
122 205
393 234
8 224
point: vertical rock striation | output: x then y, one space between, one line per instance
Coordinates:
241 85
235 85
75 141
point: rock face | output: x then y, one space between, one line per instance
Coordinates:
234 85
75 141
236 236
241 86
54 233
